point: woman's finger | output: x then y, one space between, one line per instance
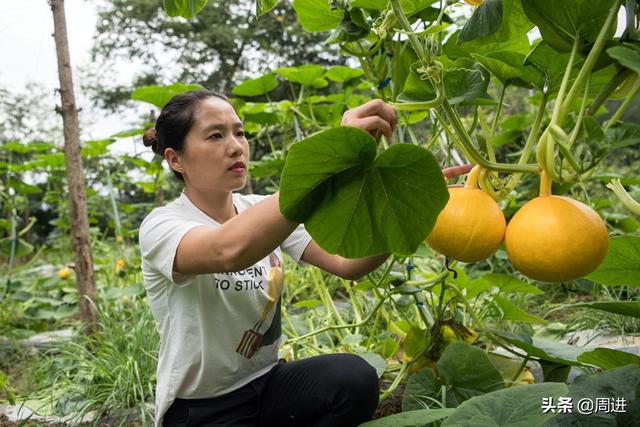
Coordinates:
373 108
374 125
455 171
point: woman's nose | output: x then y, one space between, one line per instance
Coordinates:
236 145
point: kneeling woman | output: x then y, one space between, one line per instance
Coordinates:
212 268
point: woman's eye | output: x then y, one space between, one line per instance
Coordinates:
240 133
215 136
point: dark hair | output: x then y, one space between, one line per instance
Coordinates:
175 122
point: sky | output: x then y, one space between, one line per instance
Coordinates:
27 54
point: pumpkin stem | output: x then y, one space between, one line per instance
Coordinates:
472 179
545 184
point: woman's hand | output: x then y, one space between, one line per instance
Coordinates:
456 171
375 117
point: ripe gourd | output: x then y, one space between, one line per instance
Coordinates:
474 2
471 226
555 238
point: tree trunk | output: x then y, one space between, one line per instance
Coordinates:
81 242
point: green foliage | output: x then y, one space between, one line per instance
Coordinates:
622 263
463 371
355 204
512 407
561 24
417 418
185 8
619 383
113 370
160 95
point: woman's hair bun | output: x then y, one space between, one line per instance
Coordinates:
150 139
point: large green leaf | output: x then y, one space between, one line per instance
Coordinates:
417 418
422 390
608 358
506 284
317 15
561 22
511 36
254 87
467 372
517 406
509 68
486 20
184 8
370 4
621 266
626 308
353 27
621 383
307 75
341 73
545 349
552 64
354 204
510 311
628 57
464 370
264 6
160 95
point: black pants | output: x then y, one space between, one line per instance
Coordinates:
338 390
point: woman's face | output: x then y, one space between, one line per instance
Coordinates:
216 152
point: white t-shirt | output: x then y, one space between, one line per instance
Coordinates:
208 323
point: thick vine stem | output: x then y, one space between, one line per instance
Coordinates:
404 22
624 197
545 184
485 184
563 141
576 129
472 178
421 106
589 63
557 109
465 141
531 139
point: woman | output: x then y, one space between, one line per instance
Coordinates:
211 262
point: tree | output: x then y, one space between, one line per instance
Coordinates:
75 173
219 47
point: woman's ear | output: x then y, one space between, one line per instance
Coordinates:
173 159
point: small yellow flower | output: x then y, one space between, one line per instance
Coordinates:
119 239
64 273
120 268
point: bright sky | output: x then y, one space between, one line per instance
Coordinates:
27 54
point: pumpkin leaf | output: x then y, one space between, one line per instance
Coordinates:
355 204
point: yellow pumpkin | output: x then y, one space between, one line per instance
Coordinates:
64 273
555 238
471 226
474 2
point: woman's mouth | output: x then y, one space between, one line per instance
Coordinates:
238 167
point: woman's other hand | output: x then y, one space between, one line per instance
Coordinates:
375 117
